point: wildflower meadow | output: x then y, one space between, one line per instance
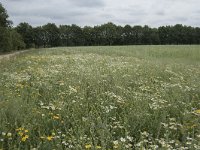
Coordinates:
101 98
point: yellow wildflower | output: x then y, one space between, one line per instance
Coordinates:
19 129
21 133
49 138
197 111
56 117
25 138
88 146
26 131
98 147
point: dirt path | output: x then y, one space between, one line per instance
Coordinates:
8 56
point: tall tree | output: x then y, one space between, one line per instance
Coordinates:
26 32
108 33
197 35
118 38
138 34
77 35
5 35
146 37
5 40
66 35
88 33
178 34
17 40
38 37
51 32
4 22
127 35
154 36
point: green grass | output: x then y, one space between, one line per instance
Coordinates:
130 97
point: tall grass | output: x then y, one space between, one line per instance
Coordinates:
130 97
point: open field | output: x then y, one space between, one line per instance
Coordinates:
130 97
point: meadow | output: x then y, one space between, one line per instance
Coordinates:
123 98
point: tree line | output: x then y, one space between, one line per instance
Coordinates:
50 35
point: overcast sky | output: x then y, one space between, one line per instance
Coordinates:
94 12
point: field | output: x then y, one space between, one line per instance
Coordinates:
131 97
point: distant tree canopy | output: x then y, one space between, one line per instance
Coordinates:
50 35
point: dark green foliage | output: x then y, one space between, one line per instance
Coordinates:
4 22
89 34
109 34
5 40
128 35
26 32
39 37
17 41
51 35
5 44
9 38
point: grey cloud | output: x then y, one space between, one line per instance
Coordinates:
93 12
160 13
89 3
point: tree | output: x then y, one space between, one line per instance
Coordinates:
107 33
4 22
9 38
118 38
88 33
154 36
51 35
39 37
77 36
97 36
5 40
197 35
5 36
26 32
146 36
66 35
177 34
71 35
17 41
127 35
163 35
137 34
